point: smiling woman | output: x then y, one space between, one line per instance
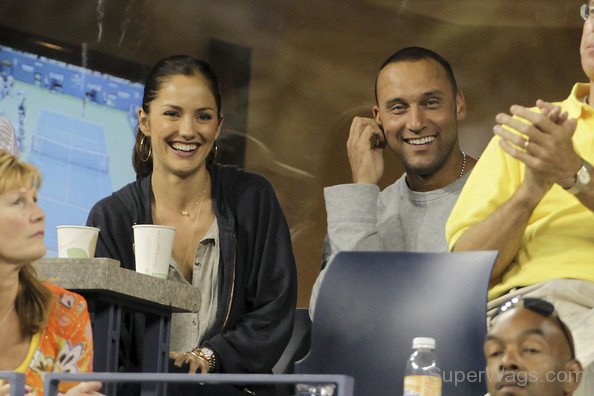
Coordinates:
43 328
232 241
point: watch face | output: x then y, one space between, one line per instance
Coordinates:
206 351
583 175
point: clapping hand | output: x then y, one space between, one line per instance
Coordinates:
544 144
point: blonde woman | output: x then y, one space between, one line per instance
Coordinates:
43 328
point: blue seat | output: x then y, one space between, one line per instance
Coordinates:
295 350
371 305
298 345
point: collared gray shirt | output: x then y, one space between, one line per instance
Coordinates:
188 329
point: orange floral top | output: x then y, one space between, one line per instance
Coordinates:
64 346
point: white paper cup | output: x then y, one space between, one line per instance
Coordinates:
153 245
76 241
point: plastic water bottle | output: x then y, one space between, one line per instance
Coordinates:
422 376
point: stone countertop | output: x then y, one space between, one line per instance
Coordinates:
105 275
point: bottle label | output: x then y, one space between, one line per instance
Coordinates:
422 385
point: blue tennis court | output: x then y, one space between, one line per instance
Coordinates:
71 153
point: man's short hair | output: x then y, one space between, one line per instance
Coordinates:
411 54
541 307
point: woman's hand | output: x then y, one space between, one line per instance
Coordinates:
82 389
194 361
5 389
90 388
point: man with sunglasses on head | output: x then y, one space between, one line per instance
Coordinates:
530 351
418 108
531 197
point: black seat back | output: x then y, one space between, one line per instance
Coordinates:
371 305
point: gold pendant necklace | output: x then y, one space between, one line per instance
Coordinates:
187 214
182 212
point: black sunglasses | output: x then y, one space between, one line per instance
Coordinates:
541 307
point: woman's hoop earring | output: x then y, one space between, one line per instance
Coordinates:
216 149
150 150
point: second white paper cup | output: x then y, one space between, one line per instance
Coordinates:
153 245
76 241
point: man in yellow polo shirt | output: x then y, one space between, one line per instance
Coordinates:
531 197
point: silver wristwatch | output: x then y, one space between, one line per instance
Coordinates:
582 178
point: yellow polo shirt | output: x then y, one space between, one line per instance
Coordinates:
559 239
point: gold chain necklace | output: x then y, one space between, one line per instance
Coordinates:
180 211
463 168
199 203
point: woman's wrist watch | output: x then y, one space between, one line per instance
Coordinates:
208 355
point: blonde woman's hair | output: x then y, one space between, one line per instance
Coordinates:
33 300
15 173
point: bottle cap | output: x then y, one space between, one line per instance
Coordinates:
423 342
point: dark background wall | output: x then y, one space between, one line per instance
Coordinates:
311 66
